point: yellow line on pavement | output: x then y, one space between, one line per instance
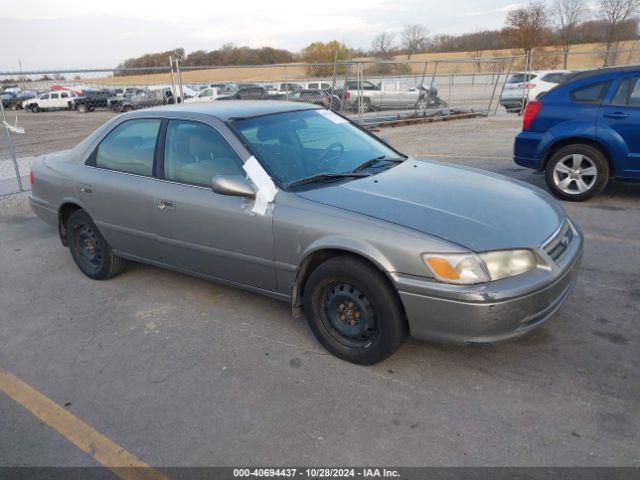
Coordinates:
86 438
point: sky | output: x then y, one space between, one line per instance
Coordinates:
66 34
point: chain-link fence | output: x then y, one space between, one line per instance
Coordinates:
58 108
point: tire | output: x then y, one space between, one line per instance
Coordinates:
91 252
366 105
82 108
422 104
34 108
577 172
353 311
126 108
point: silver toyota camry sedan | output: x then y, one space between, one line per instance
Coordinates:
298 203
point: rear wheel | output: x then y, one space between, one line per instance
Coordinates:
90 250
82 108
353 311
34 108
577 172
366 105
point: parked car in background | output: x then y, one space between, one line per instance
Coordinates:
20 98
317 85
206 95
520 88
280 88
142 98
90 100
298 203
584 132
322 98
7 98
55 100
250 93
388 94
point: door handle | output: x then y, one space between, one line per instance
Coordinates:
616 115
166 205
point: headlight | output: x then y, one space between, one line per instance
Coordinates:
470 268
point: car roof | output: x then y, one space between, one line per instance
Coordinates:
227 109
601 72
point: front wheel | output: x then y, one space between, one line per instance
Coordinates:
353 311
577 172
90 250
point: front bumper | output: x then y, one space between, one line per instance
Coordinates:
491 312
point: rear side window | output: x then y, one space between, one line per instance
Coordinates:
628 94
130 147
593 93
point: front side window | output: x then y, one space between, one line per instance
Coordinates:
64 95
130 147
591 93
207 93
54 95
312 86
628 94
300 144
195 153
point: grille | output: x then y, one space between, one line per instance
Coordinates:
558 244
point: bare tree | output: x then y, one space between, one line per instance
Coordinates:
567 16
383 46
414 39
615 13
528 25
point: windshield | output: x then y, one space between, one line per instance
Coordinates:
300 144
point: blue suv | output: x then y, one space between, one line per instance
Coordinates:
584 132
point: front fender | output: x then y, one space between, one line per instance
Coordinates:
352 245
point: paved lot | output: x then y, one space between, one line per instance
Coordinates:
179 371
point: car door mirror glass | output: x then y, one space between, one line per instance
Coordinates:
233 185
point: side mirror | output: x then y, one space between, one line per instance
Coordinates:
233 185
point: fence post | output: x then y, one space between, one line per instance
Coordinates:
13 152
450 85
286 88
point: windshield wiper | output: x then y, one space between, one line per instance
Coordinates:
373 161
324 177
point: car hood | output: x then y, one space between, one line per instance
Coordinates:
477 210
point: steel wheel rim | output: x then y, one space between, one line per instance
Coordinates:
87 246
348 316
575 174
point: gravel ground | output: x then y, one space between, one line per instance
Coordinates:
180 371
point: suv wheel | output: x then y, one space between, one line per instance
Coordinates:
34 108
353 311
90 250
577 172
82 108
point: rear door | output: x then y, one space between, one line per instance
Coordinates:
621 114
117 187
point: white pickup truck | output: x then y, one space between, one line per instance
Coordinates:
387 95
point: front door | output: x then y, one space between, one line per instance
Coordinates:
199 230
622 115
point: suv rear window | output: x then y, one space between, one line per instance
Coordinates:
520 78
593 93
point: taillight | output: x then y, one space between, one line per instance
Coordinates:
530 113
529 86
347 94
32 178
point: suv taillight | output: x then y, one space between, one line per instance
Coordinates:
530 113
32 178
347 94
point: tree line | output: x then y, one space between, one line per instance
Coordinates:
536 24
